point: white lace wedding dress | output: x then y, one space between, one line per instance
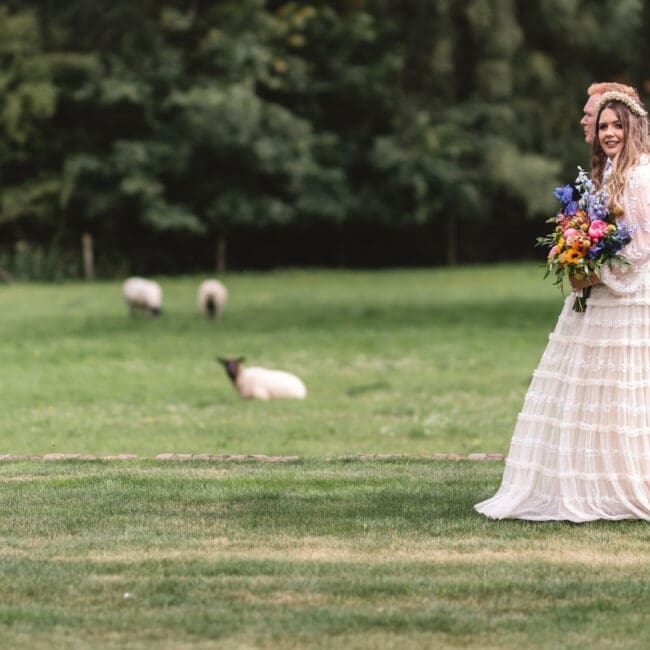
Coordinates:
581 447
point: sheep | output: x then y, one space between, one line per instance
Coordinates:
261 383
142 294
212 298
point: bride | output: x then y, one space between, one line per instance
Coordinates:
581 446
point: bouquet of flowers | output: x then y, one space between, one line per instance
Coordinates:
585 237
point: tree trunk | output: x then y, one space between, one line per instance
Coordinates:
452 242
222 246
88 259
340 247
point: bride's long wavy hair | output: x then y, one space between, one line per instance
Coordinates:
637 143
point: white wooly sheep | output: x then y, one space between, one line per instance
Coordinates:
140 293
212 298
262 383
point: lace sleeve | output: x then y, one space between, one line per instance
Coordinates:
636 213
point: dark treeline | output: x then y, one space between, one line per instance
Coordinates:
167 136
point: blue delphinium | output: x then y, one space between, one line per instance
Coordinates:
564 194
571 208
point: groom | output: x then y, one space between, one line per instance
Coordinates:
595 92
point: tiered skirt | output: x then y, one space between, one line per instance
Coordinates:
581 446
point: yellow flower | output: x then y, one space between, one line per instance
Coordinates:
573 256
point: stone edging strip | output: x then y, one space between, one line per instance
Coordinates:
244 457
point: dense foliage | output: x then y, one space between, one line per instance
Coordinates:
167 126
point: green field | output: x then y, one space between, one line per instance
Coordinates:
404 361
321 552
310 555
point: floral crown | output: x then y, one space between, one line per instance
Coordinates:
616 96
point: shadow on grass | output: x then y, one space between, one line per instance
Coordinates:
425 499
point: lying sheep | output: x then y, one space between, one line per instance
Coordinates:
212 298
261 383
142 294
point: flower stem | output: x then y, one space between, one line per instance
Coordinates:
580 303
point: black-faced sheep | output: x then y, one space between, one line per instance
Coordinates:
212 298
262 383
140 293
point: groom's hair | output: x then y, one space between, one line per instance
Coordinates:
602 87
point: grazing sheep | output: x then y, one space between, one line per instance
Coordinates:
142 294
261 383
212 297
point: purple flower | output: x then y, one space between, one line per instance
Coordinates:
571 208
624 233
564 194
597 206
596 250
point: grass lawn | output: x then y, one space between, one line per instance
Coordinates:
315 553
312 554
400 361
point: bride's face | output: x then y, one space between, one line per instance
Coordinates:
611 135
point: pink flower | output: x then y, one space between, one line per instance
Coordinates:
598 230
553 252
571 232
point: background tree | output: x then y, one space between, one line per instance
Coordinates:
163 128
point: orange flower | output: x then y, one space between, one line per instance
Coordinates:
581 244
